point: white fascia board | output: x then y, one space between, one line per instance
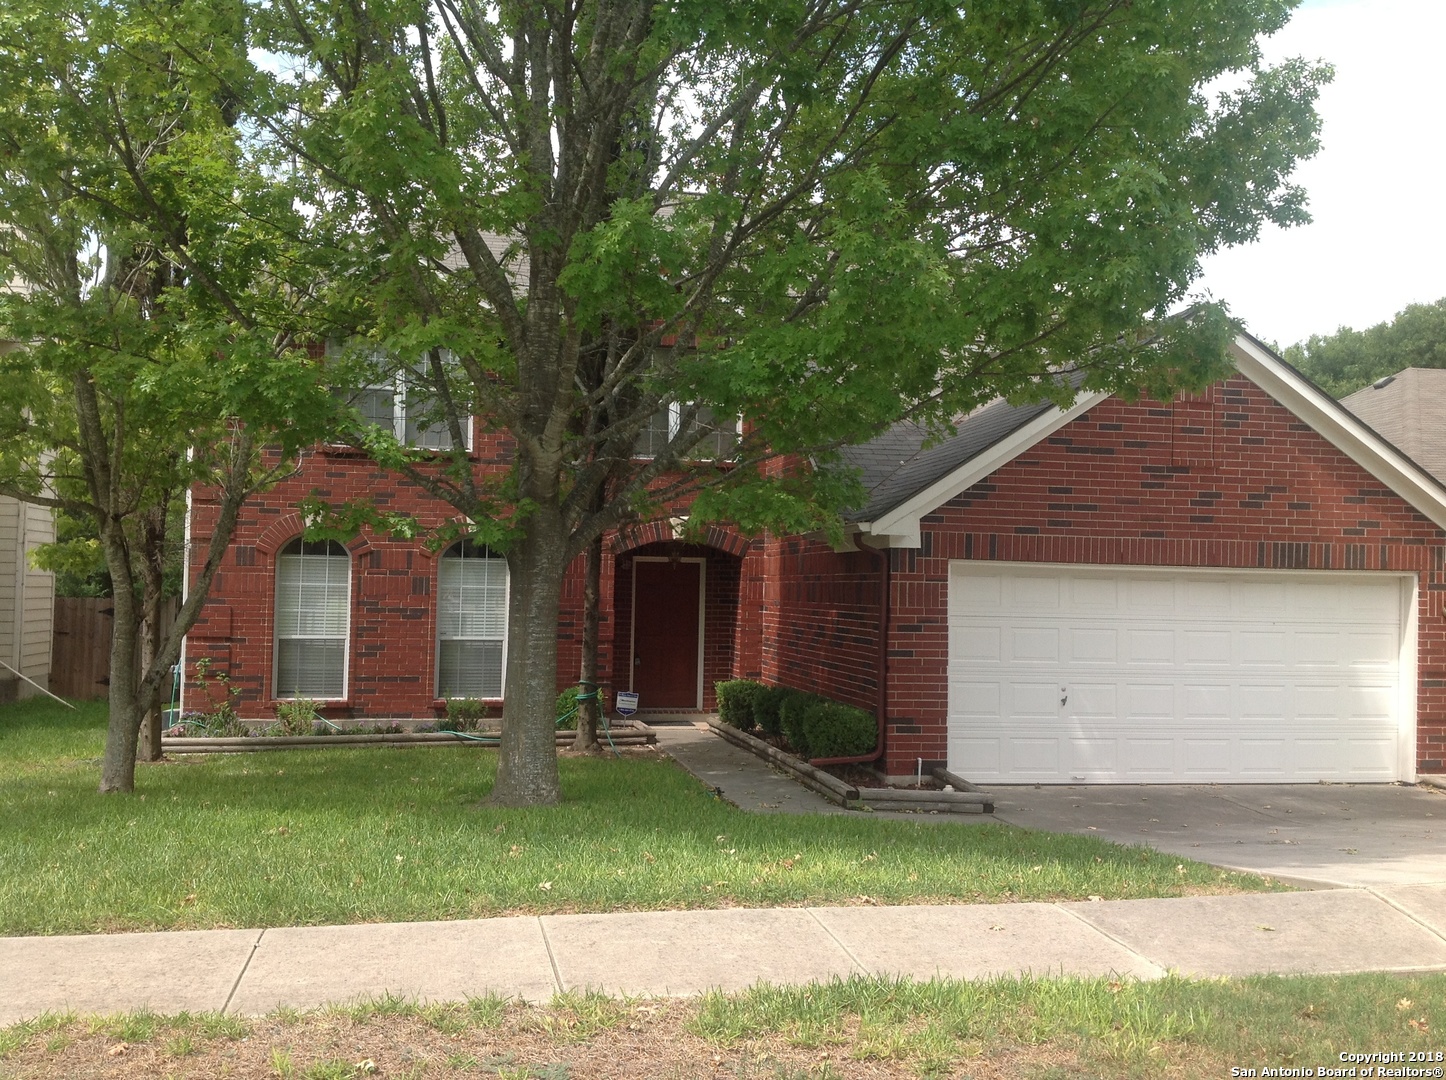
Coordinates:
900 526
1340 428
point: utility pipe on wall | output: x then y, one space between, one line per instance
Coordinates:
881 677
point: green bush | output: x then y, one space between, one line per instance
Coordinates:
766 703
790 719
567 709
735 702
297 717
835 730
463 714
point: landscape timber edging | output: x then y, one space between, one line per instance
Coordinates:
846 795
624 733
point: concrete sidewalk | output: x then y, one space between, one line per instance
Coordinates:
672 953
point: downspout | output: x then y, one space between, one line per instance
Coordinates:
881 677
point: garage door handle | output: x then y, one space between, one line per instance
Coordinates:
1063 695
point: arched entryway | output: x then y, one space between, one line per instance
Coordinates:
677 608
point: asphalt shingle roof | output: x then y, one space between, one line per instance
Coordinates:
898 465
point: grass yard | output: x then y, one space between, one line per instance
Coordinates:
1048 1029
387 834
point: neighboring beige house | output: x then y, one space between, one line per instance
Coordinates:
27 599
27 595
1409 410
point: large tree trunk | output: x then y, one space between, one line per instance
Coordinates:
589 709
527 763
118 761
153 562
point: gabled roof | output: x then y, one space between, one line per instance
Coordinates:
1409 409
905 480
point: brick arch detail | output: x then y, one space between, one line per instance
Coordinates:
288 527
661 532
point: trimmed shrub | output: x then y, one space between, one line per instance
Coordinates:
835 730
766 703
735 702
790 719
567 709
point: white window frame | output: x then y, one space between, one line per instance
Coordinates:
675 425
397 387
277 636
437 687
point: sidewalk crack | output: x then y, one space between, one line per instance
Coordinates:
551 958
1438 935
242 973
1160 970
846 950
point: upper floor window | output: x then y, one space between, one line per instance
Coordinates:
313 619
719 441
405 406
471 621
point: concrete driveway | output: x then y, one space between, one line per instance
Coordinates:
1362 835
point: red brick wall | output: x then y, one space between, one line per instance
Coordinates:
1228 479
392 658
822 621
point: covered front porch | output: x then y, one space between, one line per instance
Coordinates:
680 624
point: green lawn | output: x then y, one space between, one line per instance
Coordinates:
336 836
1047 1029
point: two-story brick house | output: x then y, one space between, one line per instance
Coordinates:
1242 585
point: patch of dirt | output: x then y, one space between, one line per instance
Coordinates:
647 1041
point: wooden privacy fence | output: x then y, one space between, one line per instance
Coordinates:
80 658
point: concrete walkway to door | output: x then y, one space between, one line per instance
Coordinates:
1334 835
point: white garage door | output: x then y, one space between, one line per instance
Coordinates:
1065 675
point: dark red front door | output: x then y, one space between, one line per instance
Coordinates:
666 600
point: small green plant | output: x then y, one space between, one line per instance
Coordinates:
735 702
281 1064
295 717
835 730
567 709
463 714
221 721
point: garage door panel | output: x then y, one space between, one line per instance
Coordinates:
1262 759
975 699
1093 756
1086 701
1094 646
1057 674
1372 649
1034 645
1155 756
1264 649
1373 759
976 594
974 644
1034 593
1206 757
980 757
1262 701
1152 702
1031 756
1032 700
1206 648
1203 704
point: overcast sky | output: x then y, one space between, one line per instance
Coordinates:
1377 187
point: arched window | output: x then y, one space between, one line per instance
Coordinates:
313 617
471 621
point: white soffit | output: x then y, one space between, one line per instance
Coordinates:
900 526
1340 428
